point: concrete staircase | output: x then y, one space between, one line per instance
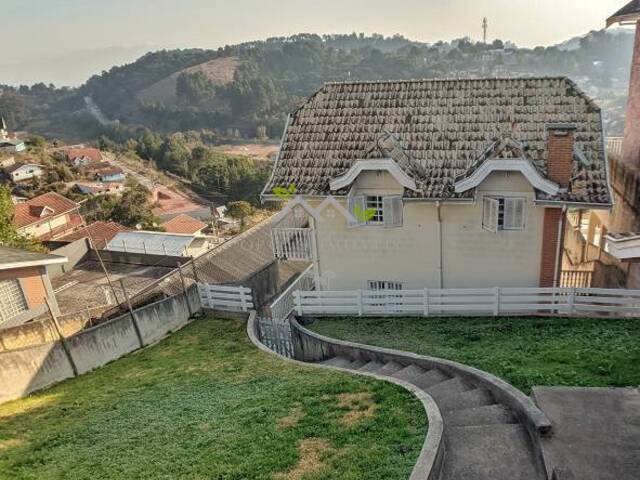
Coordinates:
483 438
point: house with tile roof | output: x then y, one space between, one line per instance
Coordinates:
99 233
47 216
445 183
82 157
24 285
184 223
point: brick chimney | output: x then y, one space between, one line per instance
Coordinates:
631 145
560 154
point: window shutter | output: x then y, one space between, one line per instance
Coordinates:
392 211
513 213
356 204
490 214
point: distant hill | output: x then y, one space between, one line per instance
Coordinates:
220 71
246 90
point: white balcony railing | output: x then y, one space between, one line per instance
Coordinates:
282 306
615 145
292 243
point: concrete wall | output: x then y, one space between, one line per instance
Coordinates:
137 258
76 252
471 256
29 369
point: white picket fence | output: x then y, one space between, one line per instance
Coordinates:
471 301
282 306
223 297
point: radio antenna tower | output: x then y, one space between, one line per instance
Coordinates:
485 25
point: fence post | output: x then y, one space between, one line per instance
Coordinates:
184 289
359 294
195 270
572 301
496 302
134 320
243 299
63 342
298 302
426 302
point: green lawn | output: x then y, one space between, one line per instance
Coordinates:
205 403
522 351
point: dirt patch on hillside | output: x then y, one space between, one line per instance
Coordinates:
311 451
360 406
219 70
257 151
295 415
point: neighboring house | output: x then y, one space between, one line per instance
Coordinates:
111 175
82 157
185 224
24 285
47 216
20 172
159 243
12 145
100 188
439 183
99 233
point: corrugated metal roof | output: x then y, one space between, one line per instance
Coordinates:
157 243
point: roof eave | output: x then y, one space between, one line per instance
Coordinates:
55 260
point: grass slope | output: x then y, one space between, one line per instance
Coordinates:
523 351
205 403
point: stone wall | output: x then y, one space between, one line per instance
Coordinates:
26 370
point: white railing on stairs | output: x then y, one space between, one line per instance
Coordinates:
281 307
471 301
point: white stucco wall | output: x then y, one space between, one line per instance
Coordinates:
471 256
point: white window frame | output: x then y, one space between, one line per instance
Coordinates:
377 202
497 209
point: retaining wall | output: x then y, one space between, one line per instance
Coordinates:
29 369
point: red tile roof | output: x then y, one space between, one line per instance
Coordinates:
100 233
37 209
183 224
92 153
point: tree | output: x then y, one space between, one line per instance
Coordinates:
240 210
9 235
132 209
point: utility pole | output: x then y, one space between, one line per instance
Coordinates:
485 25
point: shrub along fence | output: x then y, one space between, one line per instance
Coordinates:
470 301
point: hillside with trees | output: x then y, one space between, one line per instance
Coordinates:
262 81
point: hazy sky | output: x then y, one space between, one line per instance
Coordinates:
64 41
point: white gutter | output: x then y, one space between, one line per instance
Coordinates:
440 256
54 260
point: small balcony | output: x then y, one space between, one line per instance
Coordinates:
292 243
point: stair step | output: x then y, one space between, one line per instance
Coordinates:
356 364
485 415
390 368
337 362
371 366
477 397
448 387
430 378
490 452
409 373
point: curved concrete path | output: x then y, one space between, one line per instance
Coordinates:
491 429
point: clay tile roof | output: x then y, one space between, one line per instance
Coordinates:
440 126
183 224
100 233
45 206
629 13
92 153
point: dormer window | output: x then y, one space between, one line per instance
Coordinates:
376 210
